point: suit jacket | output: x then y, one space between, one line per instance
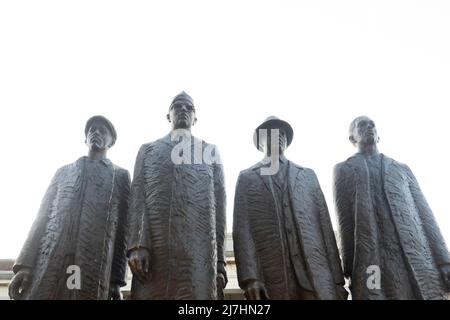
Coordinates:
82 222
257 233
178 214
421 240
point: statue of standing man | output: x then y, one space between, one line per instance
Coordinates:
76 248
391 245
284 242
176 248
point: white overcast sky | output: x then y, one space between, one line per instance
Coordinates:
316 64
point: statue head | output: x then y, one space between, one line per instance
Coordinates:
100 134
264 143
363 133
182 112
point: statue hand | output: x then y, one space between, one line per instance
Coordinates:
139 263
221 281
255 290
19 283
342 293
445 271
114 292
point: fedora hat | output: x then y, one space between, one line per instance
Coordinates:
273 122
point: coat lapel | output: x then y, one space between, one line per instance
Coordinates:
264 178
168 140
293 184
293 173
268 182
385 165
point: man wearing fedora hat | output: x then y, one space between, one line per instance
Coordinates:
76 247
284 243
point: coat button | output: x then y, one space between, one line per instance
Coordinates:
286 204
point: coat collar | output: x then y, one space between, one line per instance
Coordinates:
167 139
357 160
265 162
105 162
358 156
293 172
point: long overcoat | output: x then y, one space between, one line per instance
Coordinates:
80 232
257 233
418 233
178 215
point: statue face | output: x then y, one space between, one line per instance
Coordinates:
99 138
182 115
282 142
364 132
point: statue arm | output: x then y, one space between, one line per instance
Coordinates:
328 234
120 260
30 249
220 201
430 225
244 246
138 229
344 195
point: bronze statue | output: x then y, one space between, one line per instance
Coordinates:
392 248
176 248
284 242
76 246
